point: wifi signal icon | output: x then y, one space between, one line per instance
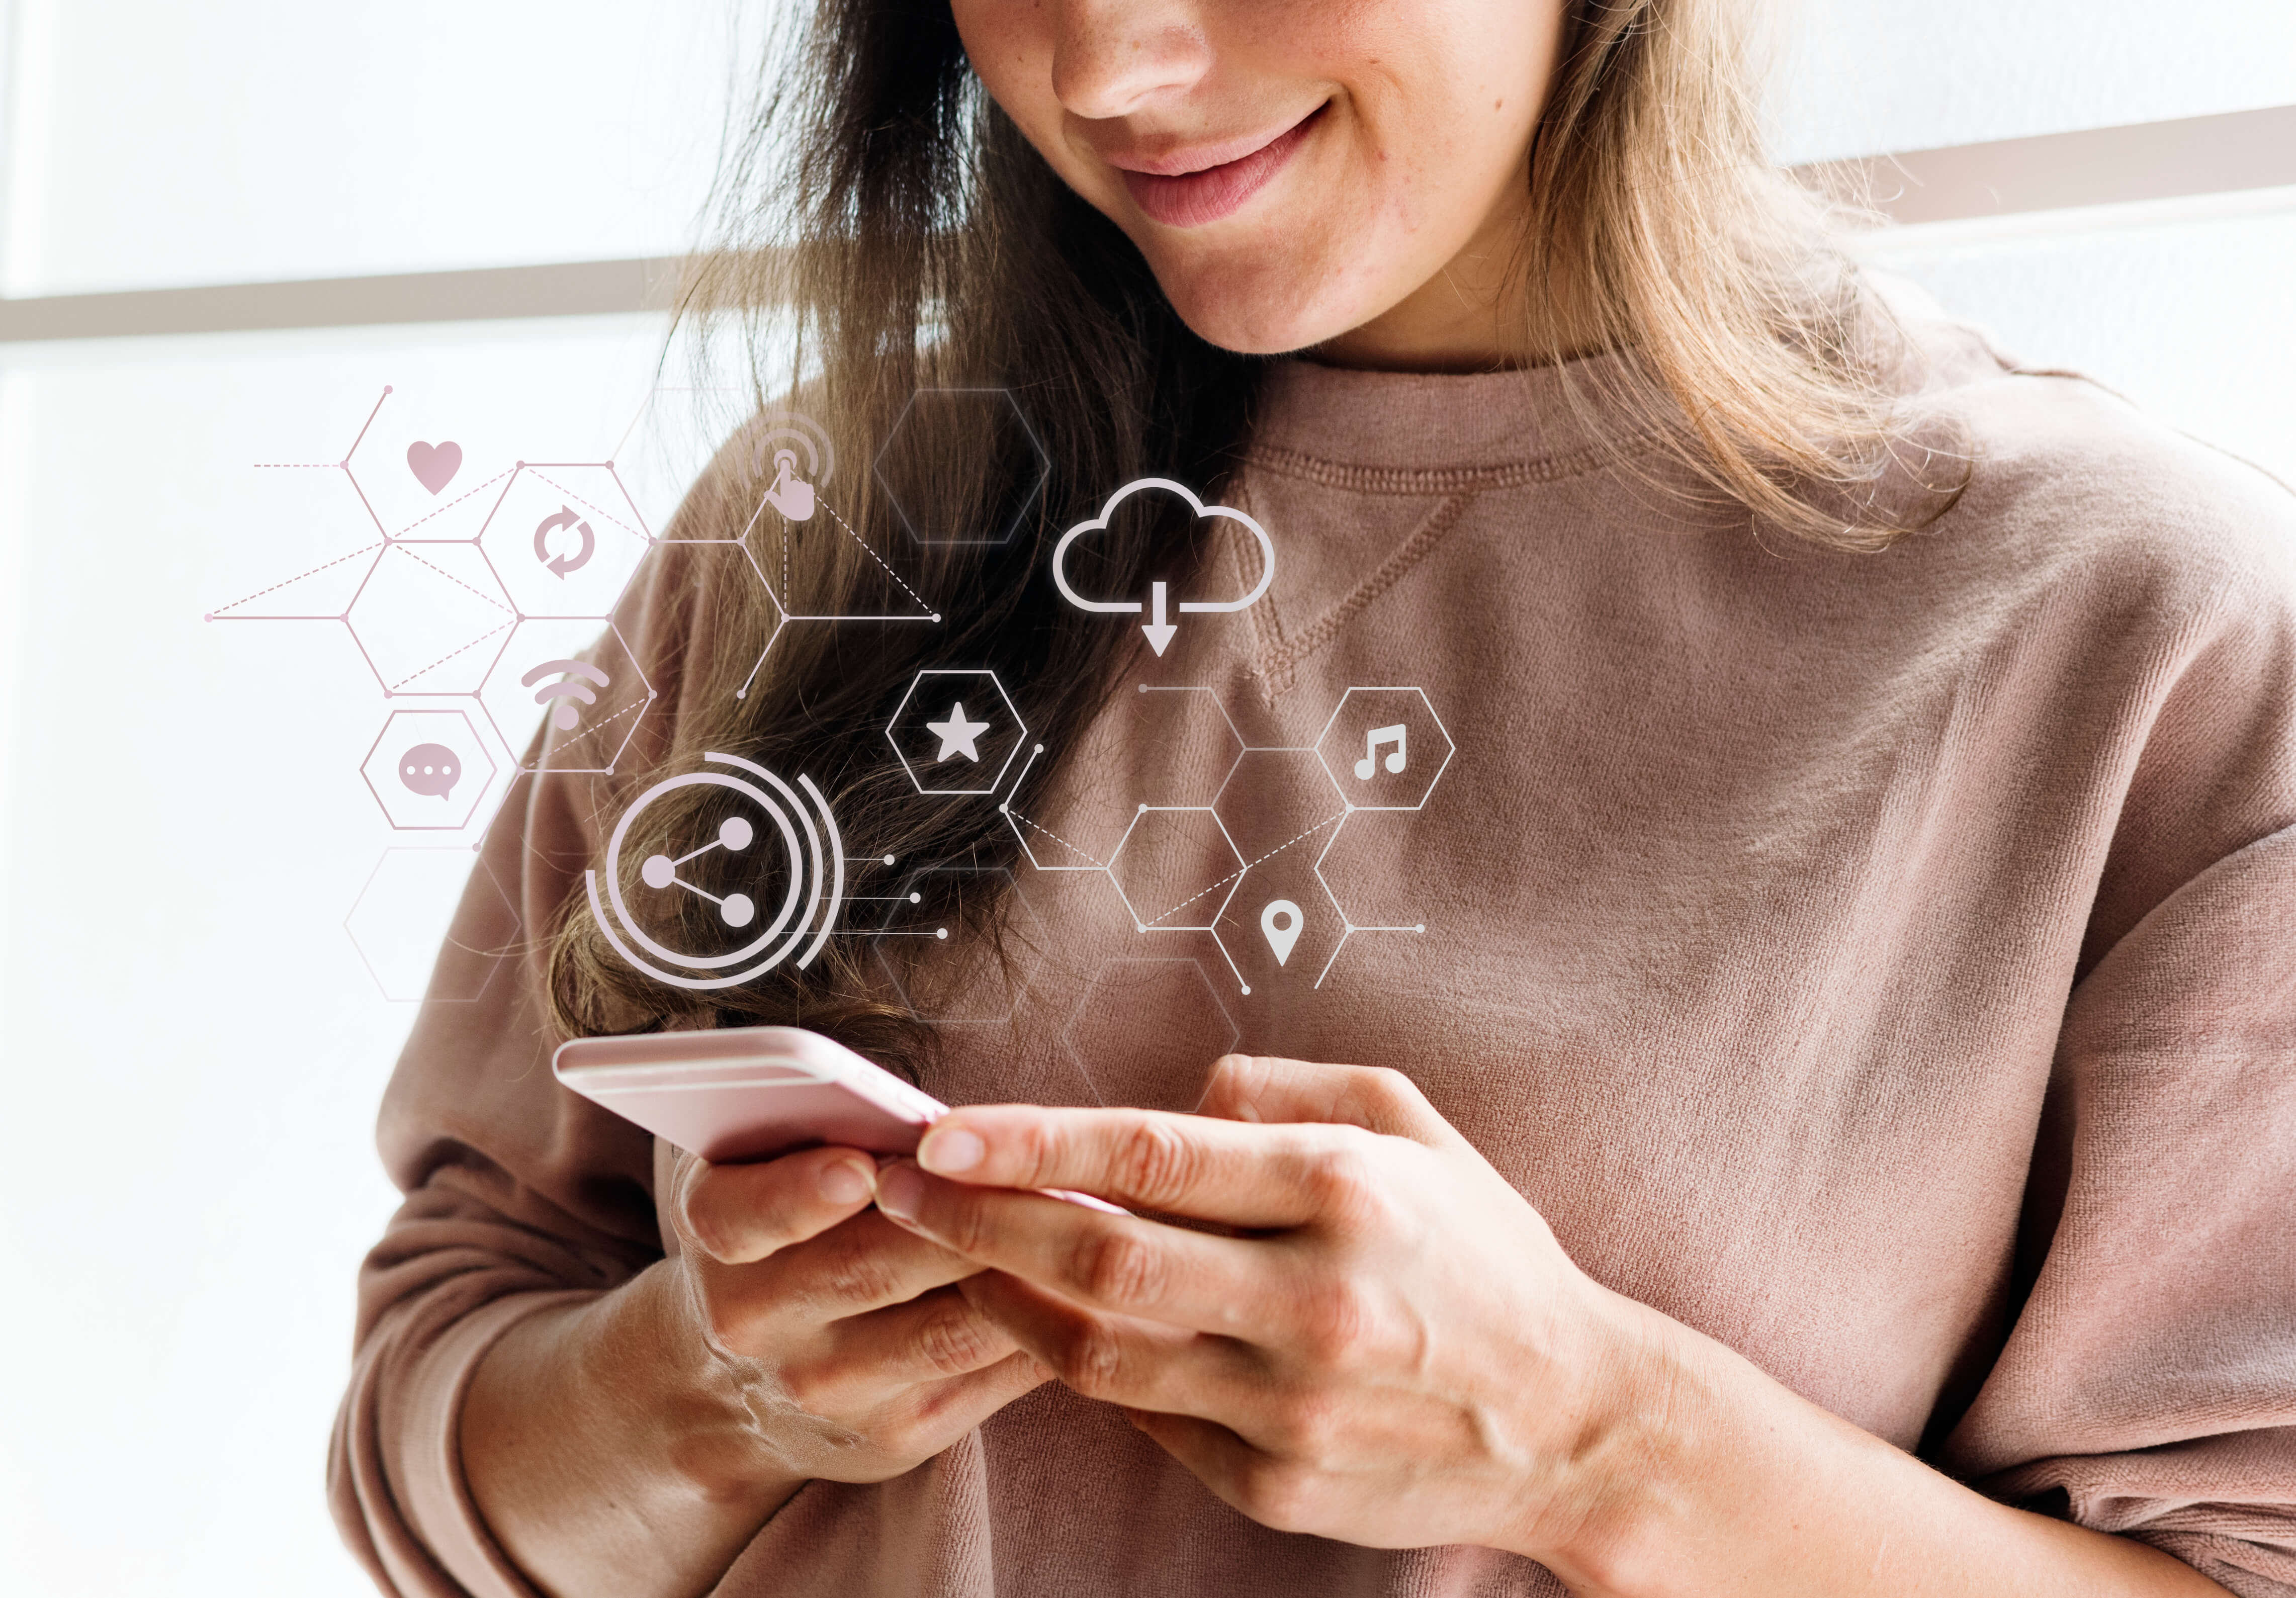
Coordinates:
568 715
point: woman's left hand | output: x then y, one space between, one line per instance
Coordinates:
1390 1348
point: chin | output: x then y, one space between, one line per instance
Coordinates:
1263 307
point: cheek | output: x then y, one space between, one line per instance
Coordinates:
1009 47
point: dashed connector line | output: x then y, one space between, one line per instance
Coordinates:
450 654
1233 875
299 576
1055 837
450 504
606 721
298 465
874 555
586 505
458 582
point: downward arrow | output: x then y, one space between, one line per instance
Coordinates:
1159 631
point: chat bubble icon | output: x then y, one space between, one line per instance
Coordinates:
430 768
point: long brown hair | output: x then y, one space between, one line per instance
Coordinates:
885 229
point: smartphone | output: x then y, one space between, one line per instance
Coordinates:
750 1092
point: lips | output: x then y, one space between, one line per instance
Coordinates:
1192 199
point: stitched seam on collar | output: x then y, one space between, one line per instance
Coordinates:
1325 627
1446 479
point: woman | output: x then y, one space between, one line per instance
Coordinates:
1834 1135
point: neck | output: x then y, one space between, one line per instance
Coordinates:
1480 312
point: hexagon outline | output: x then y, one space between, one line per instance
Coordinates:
637 522
821 475
924 612
1336 823
1346 930
509 607
1284 749
1084 996
1020 989
954 671
478 868
1243 748
1035 490
477 796
593 771
1005 810
350 474
781 625
1450 745
1348 927
504 476
1234 879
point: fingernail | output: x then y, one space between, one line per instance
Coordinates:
899 1187
952 1150
845 1182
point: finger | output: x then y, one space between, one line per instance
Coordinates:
1259 1089
1134 1266
935 1336
1218 1170
1258 1485
1117 1359
940 1413
865 1264
736 1214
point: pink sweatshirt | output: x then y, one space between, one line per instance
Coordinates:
1885 965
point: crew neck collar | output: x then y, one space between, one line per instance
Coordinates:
1440 420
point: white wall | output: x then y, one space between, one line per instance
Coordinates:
239 140
1862 76
194 1048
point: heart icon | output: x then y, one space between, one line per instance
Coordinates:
434 465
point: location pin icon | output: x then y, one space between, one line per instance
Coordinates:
1279 923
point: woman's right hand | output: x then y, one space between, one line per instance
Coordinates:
837 1336
635 1442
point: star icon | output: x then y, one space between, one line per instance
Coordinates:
956 735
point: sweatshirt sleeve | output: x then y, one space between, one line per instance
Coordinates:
2147 1384
518 1194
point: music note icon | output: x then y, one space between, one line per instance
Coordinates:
1396 736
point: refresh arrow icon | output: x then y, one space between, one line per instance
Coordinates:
564 564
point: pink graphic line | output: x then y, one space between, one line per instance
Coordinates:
217 613
586 505
369 422
450 504
874 555
451 578
1233 875
364 502
441 661
1063 842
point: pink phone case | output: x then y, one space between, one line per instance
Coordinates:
748 1093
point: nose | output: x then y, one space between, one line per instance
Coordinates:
1111 58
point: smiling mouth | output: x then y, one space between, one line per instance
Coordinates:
1192 199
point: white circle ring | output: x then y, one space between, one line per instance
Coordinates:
764 801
